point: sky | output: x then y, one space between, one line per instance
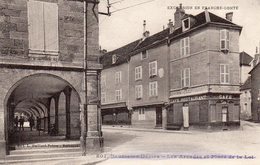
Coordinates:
125 26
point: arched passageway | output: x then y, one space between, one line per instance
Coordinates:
50 101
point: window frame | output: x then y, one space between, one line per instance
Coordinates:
183 24
46 49
185 47
138 75
103 97
118 95
139 92
225 73
153 89
226 40
151 68
114 58
118 77
141 113
146 52
185 77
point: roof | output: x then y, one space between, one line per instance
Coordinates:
245 59
247 84
121 53
124 53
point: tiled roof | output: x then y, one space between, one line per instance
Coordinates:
124 53
247 84
245 58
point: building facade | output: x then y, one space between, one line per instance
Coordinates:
204 72
187 74
42 69
245 89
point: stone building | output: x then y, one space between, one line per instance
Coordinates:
186 74
245 89
204 70
42 68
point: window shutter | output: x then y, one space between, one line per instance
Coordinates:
187 44
182 78
155 68
51 27
227 39
36 30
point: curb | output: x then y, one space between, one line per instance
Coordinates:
147 130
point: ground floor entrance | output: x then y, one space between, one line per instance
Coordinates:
206 111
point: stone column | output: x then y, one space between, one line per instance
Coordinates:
68 95
56 99
164 117
94 140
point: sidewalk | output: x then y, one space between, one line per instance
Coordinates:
130 128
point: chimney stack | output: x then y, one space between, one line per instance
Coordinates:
145 32
229 16
170 26
179 13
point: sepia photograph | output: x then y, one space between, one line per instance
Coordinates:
129 82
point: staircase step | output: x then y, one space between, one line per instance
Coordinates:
44 150
42 155
34 160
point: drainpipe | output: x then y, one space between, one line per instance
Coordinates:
85 107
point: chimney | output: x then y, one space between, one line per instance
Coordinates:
179 13
145 32
229 16
170 26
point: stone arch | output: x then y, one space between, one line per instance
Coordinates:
14 96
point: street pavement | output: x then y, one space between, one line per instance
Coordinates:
240 146
132 146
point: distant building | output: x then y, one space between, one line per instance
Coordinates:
255 87
187 74
245 81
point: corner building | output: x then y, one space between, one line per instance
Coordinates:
204 71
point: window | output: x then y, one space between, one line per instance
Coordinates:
185 46
138 91
224 40
103 81
118 77
114 59
103 97
43 27
141 114
186 24
138 73
185 77
144 55
224 74
119 95
152 68
153 89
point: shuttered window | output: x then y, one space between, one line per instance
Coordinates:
185 77
43 27
224 40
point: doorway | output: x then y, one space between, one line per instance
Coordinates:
158 116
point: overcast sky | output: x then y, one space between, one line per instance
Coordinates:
125 26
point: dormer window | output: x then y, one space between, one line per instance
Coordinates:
114 58
144 55
186 24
